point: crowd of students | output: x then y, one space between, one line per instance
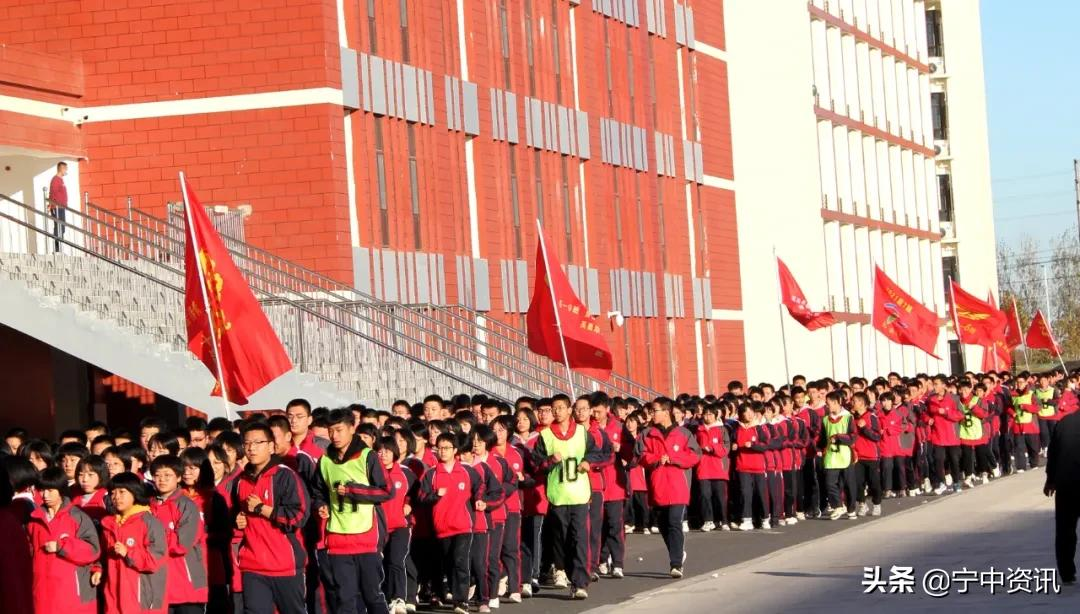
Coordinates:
472 502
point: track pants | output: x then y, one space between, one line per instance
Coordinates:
494 559
596 529
975 459
569 530
639 510
893 470
833 479
868 481
951 456
791 491
359 579
614 546
530 547
478 567
455 568
714 500
510 555
395 554
267 593
775 483
752 485
671 517
1029 442
811 491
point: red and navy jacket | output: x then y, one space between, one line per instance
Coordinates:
615 487
400 480
943 416
787 430
867 436
751 444
595 452
185 536
136 582
311 445
515 465
598 471
772 453
216 522
78 550
534 500
452 513
375 492
812 417
669 484
420 518
714 442
891 426
271 546
491 494
1068 404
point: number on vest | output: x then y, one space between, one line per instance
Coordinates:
568 470
341 501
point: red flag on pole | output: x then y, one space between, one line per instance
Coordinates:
901 318
1040 337
998 356
795 301
227 329
978 322
1013 336
558 320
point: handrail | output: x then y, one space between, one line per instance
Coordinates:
491 327
299 307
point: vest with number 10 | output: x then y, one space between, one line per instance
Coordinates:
346 517
565 486
1046 408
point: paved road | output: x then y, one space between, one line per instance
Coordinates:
646 561
1005 524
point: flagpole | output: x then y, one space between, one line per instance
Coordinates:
555 304
1016 316
993 301
873 330
1055 344
780 311
956 324
205 296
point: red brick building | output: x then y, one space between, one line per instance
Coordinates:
408 147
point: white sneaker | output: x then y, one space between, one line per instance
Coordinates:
579 593
782 522
494 603
602 569
941 489
997 472
503 582
515 597
654 530
876 510
410 608
725 527
685 527
1019 470
927 488
676 572
969 482
617 572
800 516
792 521
628 529
561 581
708 526
862 510
765 526
912 492
836 514
948 480
852 515
526 591
747 525
397 606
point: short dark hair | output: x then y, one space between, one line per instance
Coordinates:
599 398
299 403
198 457
53 478
72 448
77 435
485 434
195 423
167 461
451 438
165 439
261 427
219 424
340 416
60 165
20 472
280 422
152 422
94 464
133 484
561 397
41 448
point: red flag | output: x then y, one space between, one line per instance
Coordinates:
554 306
248 354
900 318
1039 335
793 298
997 357
978 322
1013 336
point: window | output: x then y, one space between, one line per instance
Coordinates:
956 359
945 205
933 34
940 115
949 271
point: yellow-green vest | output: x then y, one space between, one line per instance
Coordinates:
1023 416
565 486
837 456
347 517
1046 410
971 427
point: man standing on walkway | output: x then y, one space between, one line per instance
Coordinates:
1063 483
58 202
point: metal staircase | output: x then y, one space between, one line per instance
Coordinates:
128 269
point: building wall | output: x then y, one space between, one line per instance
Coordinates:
865 90
629 168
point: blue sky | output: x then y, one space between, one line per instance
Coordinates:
1031 55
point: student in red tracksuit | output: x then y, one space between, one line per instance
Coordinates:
185 535
791 457
613 546
400 480
767 412
510 556
712 472
1024 413
65 547
891 461
91 476
270 507
224 593
640 514
750 445
813 474
453 491
135 551
597 470
868 453
197 484
534 503
483 444
668 451
943 418
484 526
